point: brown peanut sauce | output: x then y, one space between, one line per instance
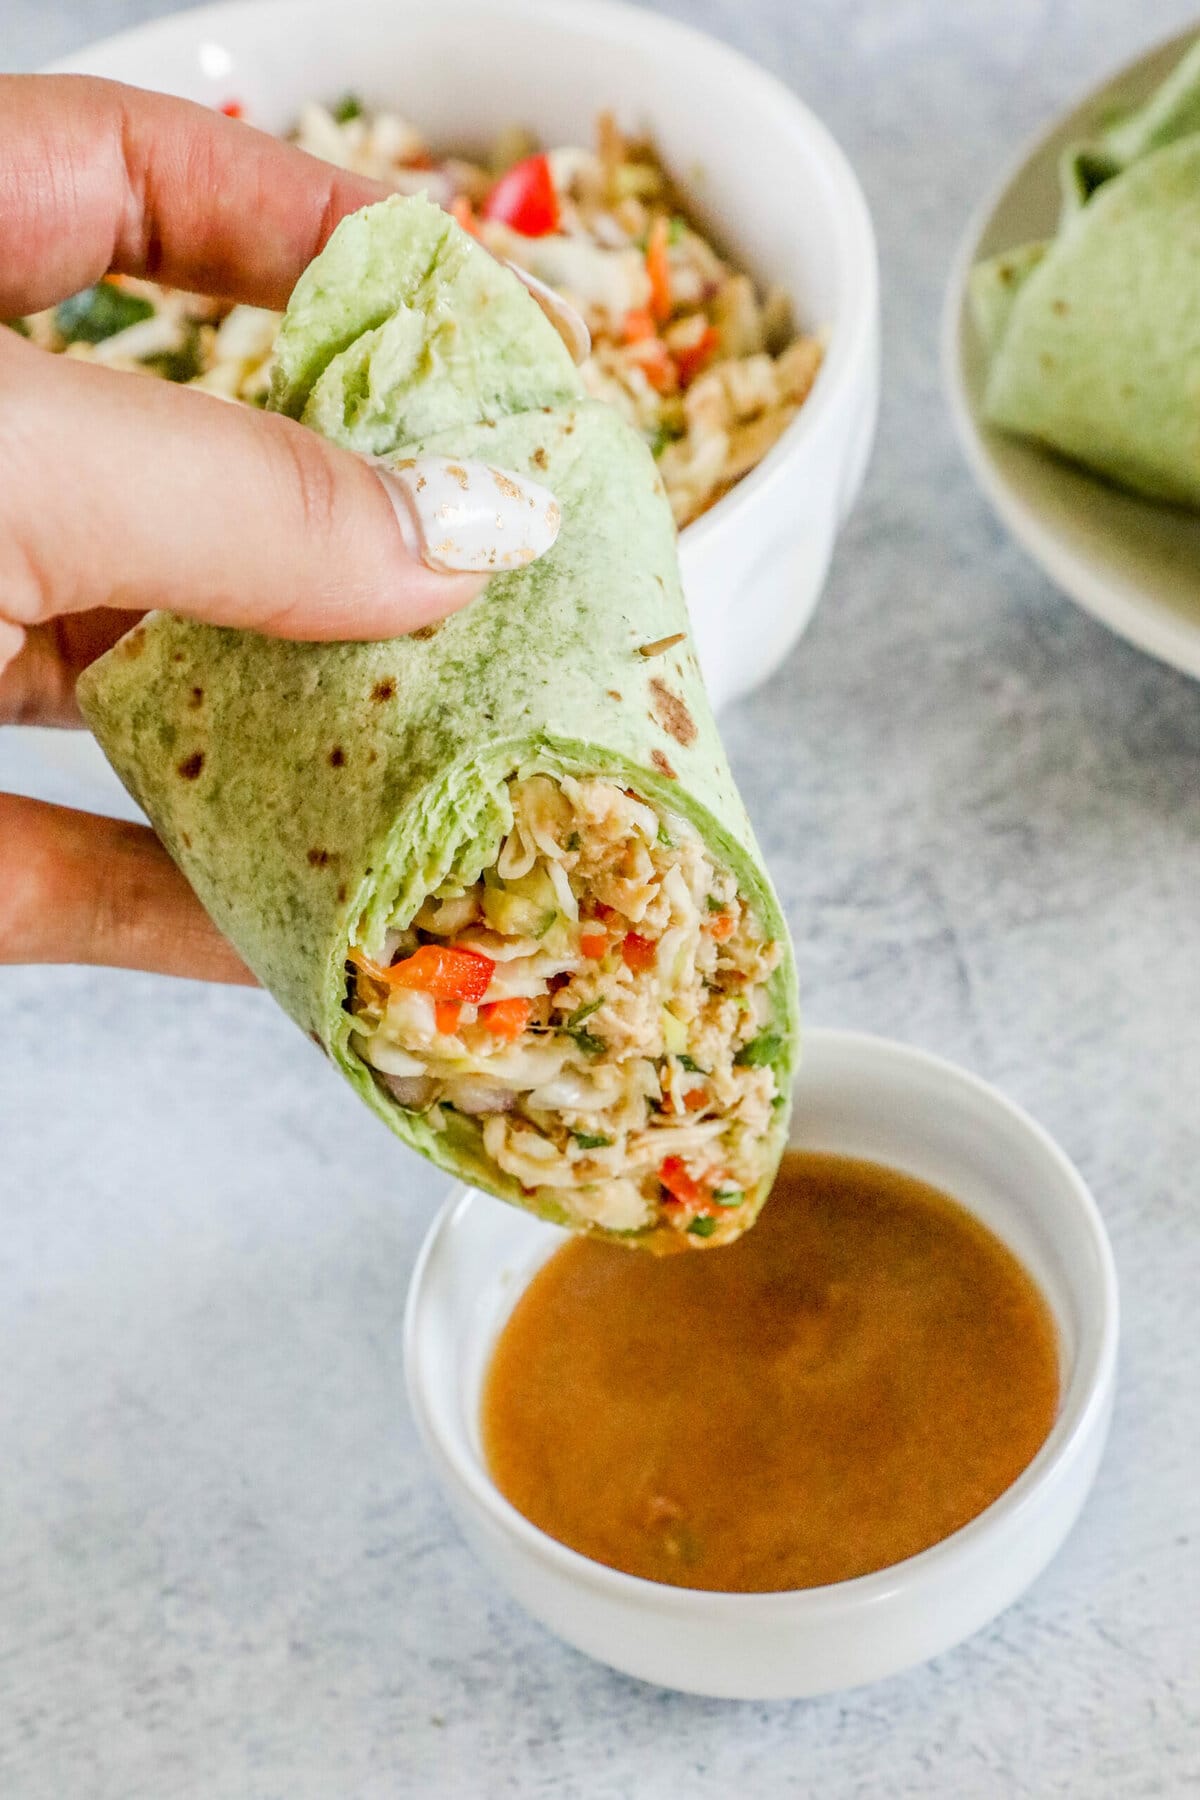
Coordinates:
856 1378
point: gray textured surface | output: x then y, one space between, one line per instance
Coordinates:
224 1569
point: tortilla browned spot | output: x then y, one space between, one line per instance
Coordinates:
424 632
337 757
662 765
383 690
541 460
134 642
191 765
671 712
196 698
342 892
318 858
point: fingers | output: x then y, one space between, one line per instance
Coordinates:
131 493
97 177
79 889
38 685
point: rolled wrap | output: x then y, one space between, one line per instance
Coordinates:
314 792
1093 336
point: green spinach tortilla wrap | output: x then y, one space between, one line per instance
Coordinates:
498 869
1094 335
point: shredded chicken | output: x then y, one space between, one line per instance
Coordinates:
600 1014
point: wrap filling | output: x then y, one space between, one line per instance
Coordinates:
594 1006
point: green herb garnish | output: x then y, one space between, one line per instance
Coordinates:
760 1051
702 1227
583 1012
589 1044
99 312
713 904
728 1196
348 107
665 838
676 229
545 924
574 842
179 365
591 1140
689 1063
661 436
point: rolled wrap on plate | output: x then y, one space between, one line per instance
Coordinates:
499 869
1094 335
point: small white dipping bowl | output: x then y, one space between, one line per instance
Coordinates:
1131 563
760 171
857 1096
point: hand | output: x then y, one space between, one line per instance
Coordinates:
119 493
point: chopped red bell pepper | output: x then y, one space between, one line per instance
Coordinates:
443 972
658 268
593 943
693 358
696 1099
525 198
233 109
506 1018
603 912
638 952
447 1016
683 1188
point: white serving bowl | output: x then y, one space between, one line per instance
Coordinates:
1132 564
762 171
857 1096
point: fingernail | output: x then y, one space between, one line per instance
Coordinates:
468 518
561 314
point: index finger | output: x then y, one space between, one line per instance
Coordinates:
98 178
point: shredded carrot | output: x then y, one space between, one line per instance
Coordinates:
696 1099
658 268
506 1018
720 926
638 952
462 210
447 1015
637 326
656 363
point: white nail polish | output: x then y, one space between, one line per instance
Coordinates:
463 517
561 314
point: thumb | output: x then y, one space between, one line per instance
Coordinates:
137 493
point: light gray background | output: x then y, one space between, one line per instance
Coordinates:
224 1568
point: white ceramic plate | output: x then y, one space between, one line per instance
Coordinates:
754 566
1134 565
855 1096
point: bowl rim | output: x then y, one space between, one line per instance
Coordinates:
850 336
1082 1410
1172 641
